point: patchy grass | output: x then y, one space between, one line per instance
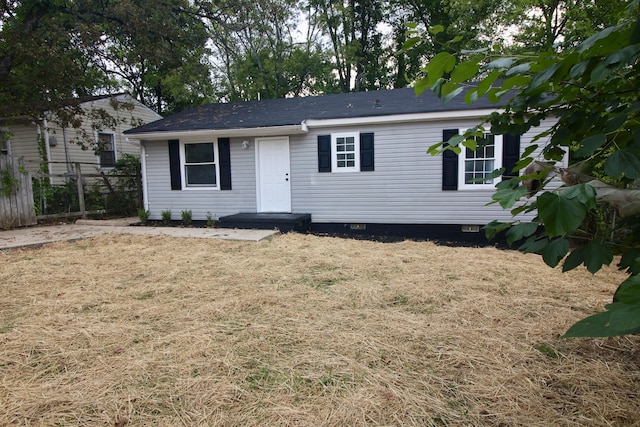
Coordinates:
301 330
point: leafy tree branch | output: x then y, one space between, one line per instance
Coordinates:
590 91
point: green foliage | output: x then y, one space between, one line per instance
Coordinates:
8 182
590 90
166 216
143 215
125 176
186 216
210 221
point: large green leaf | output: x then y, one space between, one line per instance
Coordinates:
495 227
464 71
596 254
630 261
485 84
575 259
534 245
542 78
440 64
619 319
591 144
500 63
629 291
521 231
625 161
594 39
509 196
584 193
559 214
555 251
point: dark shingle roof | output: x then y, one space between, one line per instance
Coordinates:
292 111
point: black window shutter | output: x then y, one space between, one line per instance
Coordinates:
449 163
366 152
324 153
224 152
510 154
174 164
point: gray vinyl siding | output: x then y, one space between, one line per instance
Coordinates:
24 139
404 188
242 198
24 144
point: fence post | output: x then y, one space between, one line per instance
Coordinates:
83 211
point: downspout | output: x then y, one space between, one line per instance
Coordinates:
143 172
66 149
47 148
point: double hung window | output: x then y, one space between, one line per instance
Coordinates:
476 166
346 149
200 165
107 149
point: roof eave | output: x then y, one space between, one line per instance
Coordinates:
402 118
221 133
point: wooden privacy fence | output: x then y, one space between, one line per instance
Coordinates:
16 194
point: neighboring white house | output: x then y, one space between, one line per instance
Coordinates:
19 137
352 162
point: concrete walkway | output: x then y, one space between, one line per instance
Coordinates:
83 228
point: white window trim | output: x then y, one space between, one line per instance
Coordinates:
499 141
115 151
183 173
334 153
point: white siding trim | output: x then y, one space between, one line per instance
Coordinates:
183 173
143 172
497 155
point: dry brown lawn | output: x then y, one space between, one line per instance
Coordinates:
302 330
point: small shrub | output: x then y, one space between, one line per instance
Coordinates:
166 216
186 216
209 220
143 215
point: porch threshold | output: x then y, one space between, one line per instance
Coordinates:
285 222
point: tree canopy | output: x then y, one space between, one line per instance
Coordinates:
591 91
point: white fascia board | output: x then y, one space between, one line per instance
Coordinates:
401 118
221 133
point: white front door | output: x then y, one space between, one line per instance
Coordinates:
273 175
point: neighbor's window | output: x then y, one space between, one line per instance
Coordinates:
200 165
345 153
477 165
4 142
107 149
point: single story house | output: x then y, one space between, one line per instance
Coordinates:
353 162
47 141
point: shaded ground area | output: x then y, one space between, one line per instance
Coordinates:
306 331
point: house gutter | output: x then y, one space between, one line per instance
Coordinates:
222 133
401 118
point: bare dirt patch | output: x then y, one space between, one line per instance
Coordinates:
300 330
